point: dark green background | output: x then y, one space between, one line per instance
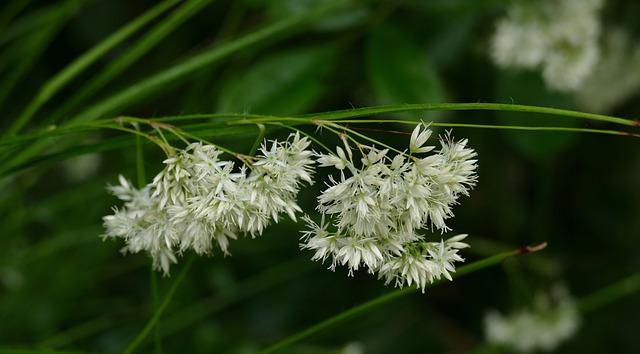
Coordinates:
579 192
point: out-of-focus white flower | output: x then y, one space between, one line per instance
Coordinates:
199 200
551 320
82 167
616 78
353 348
372 212
560 36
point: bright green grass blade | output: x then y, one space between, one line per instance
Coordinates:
171 75
369 305
132 54
51 87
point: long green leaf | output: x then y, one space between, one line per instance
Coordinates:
611 293
132 54
28 22
371 304
51 87
29 50
159 310
169 76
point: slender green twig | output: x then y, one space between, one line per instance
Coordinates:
140 170
153 281
309 136
367 306
258 141
611 293
160 310
369 111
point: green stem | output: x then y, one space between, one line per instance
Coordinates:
369 111
259 138
160 310
309 136
371 304
611 293
140 170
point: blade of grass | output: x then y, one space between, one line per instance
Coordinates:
169 76
13 350
119 142
53 85
211 127
31 48
153 281
368 111
28 22
249 287
160 310
611 293
132 55
10 11
369 305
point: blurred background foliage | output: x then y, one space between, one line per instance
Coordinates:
62 288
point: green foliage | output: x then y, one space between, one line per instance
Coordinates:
252 69
403 74
285 83
529 89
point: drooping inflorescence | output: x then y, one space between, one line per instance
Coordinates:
373 213
199 200
372 216
560 37
551 320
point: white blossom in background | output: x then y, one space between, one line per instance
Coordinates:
199 201
551 320
373 212
81 168
616 78
560 37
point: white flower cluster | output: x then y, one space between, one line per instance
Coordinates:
616 78
199 199
560 36
378 205
552 320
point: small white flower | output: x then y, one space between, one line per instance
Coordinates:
419 138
